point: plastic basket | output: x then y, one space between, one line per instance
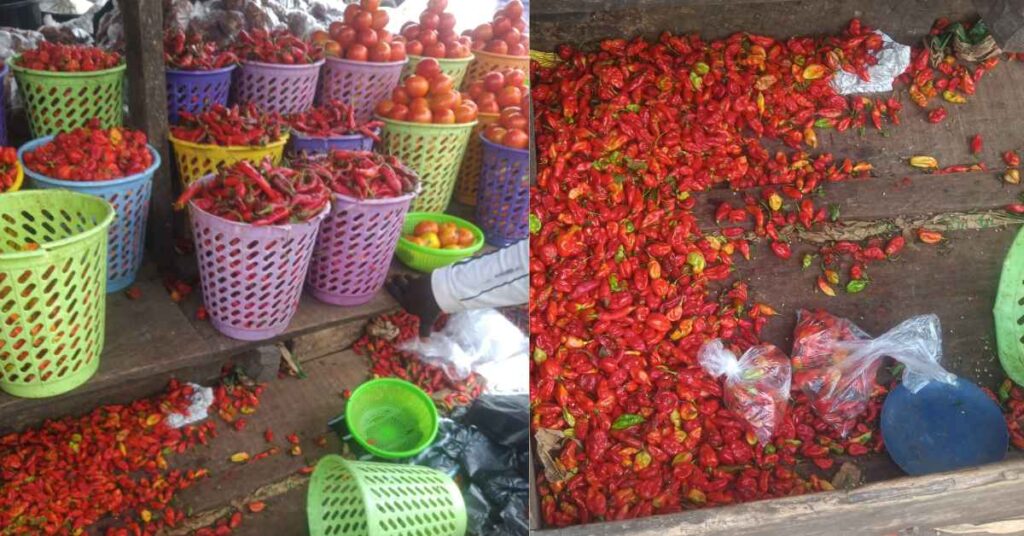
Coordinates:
59 102
197 160
352 142
130 198
434 152
3 105
391 418
19 179
251 275
453 67
51 299
353 498
274 87
195 91
426 259
354 248
485 62
1009 312
469 171
359 83
503 200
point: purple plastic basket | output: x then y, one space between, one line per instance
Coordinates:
352 142
361 84
251 276
195 91
503 196
285 89
354 248
3 105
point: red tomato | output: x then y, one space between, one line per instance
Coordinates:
515 77
475 89
519 50
400 95
335 28
488 104
385 36
421 116
381 52
417 86
497 47
466 41
384 108
333 49
410 30
363 20
350 13
484 32
437 5
514 9
450 100
516 121
398 51
419 104
520 25
444 116
428 68
429 20
357 52
494 132
508 112
368 38
414 47
479 45
494 81
464 113
380 20
516 139
346 36
512 37
441 83
400 112
446 21
374 5
501 25
428 37
510 96
437 50
458 51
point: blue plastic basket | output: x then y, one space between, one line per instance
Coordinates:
195 91
3 105
130 198
503 194
352 142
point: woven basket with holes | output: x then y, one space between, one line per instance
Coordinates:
434 152
59 102
53 271
195 91
485 62
453 67
130 198
275 87
469 171
382 499
197 160
251 275
361 84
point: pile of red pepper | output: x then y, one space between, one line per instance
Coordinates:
91 153
380 345
192 53
279 46
57 57
243 124
258 194
332 119
623 280
360 174
1011 398
8 167
68 474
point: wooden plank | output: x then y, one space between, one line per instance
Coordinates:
147 97
326 341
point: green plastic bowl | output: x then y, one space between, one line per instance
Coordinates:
391 418
427 259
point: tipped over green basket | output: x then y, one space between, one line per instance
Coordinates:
1009 311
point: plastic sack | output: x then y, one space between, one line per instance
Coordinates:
835 363
893 59
756 384
470 340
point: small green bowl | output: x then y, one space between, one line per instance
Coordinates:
391 418
426 259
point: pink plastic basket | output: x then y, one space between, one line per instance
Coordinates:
354 248
285 89
359 83
251 276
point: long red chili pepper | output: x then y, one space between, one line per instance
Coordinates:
238 125
332 119
360 174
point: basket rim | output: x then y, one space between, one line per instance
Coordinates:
485 54
382 200
44 249
520 152
346 61
315 220
478 234
296 134
219 70
419 393
13 62
287 66
207 146
84 185
427 125
442 61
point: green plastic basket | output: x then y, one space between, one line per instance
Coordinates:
391 418
59 102
52 298
1009 311
453 67
434 152
382 499
427 259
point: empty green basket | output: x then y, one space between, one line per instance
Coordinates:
391 418
53 274
382 499
60 102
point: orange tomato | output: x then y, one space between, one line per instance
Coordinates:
466 237
448 236
417 86
425 226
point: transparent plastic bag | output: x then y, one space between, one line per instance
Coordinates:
756 384
835 363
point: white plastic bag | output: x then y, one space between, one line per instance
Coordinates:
916 343
756 385
893 59
469 340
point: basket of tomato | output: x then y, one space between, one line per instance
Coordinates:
198 73
431 241
503 198
279 72
434 37
500 44
364 61
220 136
254 227
65 86
357 239
497 92
427 124
115 164
330 127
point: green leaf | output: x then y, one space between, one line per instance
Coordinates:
696 81
824 122
627 420
535 224
620 254
633 107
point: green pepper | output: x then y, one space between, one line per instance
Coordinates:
535 224
856 285
627 420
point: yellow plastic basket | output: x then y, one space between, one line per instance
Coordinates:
485 62
469 171
197 160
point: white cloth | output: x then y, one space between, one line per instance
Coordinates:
496 279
